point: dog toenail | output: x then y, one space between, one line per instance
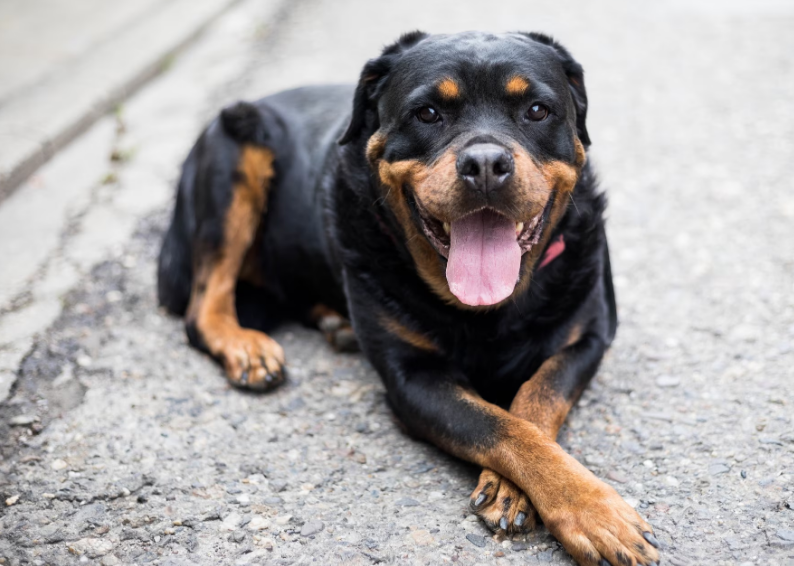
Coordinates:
244 378
651 539
479 500
503 523
520 518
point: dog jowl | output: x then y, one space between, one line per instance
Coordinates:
445 208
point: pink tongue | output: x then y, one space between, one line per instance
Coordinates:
484 258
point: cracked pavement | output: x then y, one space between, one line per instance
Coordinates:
121 445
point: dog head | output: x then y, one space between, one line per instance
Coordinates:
478 141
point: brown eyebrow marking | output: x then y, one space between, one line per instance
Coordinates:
448 88
517 85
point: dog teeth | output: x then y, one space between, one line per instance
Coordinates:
519 228
446 228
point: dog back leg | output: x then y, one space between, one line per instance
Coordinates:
226 231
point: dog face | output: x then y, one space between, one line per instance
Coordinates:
478 141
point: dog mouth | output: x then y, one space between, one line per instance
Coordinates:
483 251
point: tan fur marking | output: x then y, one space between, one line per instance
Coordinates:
407 335
581 154
586 515
516 86
440 193
213 295
376 146
428 265
212 307
574 334
538 402
448 89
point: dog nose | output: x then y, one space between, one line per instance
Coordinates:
485 166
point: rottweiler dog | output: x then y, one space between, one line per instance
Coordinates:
444 206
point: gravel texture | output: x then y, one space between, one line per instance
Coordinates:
121 445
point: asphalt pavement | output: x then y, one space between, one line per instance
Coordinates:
122 445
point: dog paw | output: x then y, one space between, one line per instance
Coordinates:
594 524
502 505
338 332
252 360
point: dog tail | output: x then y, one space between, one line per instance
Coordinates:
243 122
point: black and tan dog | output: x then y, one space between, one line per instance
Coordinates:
454 219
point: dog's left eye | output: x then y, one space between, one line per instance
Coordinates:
428 115
537 112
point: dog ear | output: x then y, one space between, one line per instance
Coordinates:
371 83
575 75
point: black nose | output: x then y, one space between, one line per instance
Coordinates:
485 166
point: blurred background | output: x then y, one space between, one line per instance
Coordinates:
690 418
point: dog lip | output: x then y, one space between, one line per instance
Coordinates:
436 230
433 229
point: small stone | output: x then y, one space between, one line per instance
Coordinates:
717 469
283 519
238 536
113 296
231 522
110 560
670 480
84 361
786 535
745 332
258 523
744 474
499 554
667 381
617 476
519 546
244 499
92 547
11 500
422 537
23 420
471 518
59 464
407 502
311 528
435 495
593 460
476 540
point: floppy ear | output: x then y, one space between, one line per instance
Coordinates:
575 74
373 78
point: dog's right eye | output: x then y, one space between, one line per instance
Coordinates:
428 115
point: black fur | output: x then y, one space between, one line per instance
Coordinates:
329 237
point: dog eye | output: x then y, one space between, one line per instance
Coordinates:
428 115
537 113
